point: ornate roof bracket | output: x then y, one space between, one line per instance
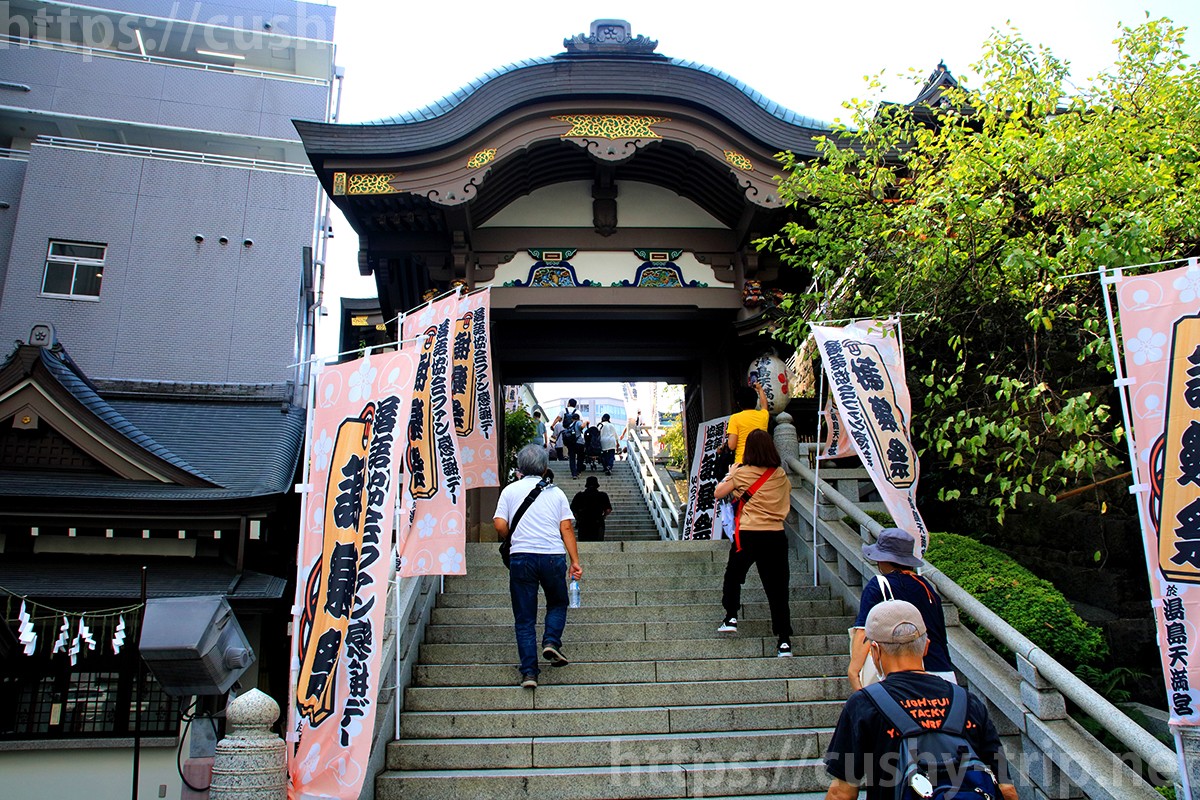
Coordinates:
721 265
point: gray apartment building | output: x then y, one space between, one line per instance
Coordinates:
158 217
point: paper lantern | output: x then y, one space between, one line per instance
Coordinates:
770 372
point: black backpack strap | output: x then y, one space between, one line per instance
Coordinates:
512 526
901 720
956 716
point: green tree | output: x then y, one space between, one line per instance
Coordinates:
976 216
519 430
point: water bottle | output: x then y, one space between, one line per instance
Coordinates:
574 599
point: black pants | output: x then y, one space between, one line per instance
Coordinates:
768 550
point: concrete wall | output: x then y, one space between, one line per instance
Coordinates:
96 773
12 176
158 94
169 308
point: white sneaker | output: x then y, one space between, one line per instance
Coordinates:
784 651
728 626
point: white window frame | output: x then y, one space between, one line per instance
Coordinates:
75 263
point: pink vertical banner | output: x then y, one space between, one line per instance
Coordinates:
865 368
471 390
433 538
357 442
702 519
1160 333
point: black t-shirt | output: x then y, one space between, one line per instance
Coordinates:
865 749
589 507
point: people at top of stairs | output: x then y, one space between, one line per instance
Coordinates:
591 506
572 435
762 490
608 443
893 555
539 520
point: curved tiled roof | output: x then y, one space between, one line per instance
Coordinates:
66 373
568 82
441 106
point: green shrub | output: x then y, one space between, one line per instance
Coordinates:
519 430
676 445
1028 603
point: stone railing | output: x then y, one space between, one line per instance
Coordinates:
1053 756
664 509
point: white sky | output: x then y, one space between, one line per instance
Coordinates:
809 56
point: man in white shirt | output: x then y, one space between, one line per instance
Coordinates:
542 539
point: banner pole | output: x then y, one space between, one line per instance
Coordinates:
817 478
1122 384
397 694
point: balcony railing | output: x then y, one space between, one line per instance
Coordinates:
165 154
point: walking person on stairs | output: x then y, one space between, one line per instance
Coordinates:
536 514
761 490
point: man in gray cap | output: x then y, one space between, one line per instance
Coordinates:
863 752
893 554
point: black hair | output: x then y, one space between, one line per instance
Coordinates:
746 397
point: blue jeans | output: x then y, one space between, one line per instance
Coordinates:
608 458
526 572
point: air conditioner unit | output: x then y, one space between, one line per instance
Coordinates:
194 645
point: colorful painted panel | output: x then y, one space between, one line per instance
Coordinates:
552 270
659 270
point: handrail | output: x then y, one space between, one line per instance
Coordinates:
14 154
166 154
1160 758
666 513
122 55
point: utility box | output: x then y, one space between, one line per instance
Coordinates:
194 645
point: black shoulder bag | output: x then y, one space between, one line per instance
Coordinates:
506 544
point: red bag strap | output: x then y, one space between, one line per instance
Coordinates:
742 501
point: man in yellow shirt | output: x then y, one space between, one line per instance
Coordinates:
747 419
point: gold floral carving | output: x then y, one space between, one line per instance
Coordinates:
611 126
371 183
738 160
339 183
482 157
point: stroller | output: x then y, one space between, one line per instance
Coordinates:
591 448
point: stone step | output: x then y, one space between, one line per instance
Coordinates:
662 551
599 567
582 673
492 582
734 647
498 596
548 752
600 783
618 721
625 628
801 609
624 695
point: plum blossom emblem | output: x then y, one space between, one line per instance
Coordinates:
451 560
426 526
362 380
1188 284
321 450
1147 346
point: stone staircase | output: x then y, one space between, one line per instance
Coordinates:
630 520
655 703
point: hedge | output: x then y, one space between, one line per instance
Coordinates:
1031 605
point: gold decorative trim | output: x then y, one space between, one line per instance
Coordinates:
371 183
611 126
481 158
738 160
339 183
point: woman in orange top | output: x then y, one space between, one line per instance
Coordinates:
760 539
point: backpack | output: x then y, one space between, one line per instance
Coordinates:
570 423
591 439
937 763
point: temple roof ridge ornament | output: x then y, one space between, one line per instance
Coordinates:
610 37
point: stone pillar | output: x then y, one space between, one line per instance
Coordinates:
1190 739
786 441
251 762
